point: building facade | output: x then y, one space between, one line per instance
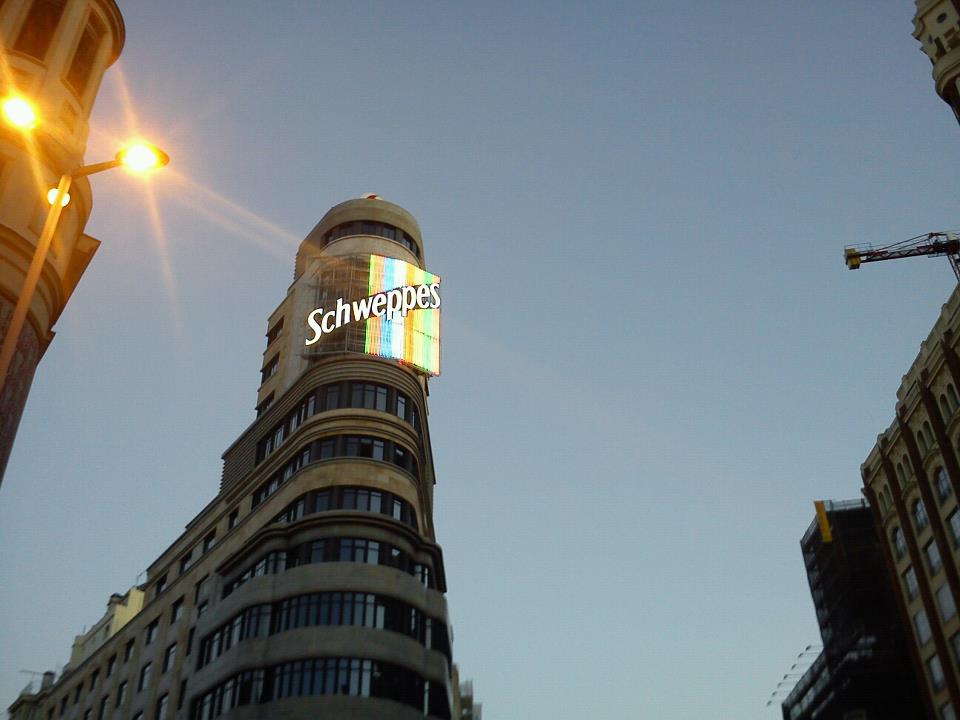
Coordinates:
862 672
936 25
312 586
54 53
912 481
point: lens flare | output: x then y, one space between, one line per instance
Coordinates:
20 112
52 195
142 157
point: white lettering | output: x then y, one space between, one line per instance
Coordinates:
318 331
392 303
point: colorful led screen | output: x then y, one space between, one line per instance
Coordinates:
413 338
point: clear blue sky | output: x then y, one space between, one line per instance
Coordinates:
654 357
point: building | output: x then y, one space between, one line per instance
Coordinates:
55 53
862 671
912 481
312 585
937 26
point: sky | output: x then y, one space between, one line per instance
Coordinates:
654 358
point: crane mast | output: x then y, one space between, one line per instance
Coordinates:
930 245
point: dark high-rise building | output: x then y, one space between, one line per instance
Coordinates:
862 672
312 585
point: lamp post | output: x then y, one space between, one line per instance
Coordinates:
138 157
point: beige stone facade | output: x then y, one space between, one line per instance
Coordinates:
912 479
54 52
312 585
936 26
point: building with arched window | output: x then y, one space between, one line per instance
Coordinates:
915 468
54 53
312 585
937 26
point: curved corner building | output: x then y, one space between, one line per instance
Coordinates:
312 585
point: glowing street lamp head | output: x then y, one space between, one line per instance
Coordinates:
52 195
142 157
19 112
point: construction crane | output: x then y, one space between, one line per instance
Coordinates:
931 245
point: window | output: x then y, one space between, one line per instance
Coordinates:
946 712
169 657
358 677
370 227
161 713
161 585
209 540
138 716
176 610
943 484
201 608
121 693
84 57
910 582
936 673
150 634
87 713
93 679
186 562
267 402
38 28
952 397
102 711
901 474
922 439
274 332
144 677
270 369
945 600
198 588
899 543
233 519
922 626
954 522
111 665
128 651
181 694
190 635
920 518
76 693
933 557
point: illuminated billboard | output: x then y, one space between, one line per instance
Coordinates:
379 306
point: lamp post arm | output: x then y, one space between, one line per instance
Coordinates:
33 276
85 170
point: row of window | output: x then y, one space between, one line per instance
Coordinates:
143 682
935 670
324 676
941 483
370 227
326 609
363 446
37 33
947 607
932 552
360 550
350 498
338 396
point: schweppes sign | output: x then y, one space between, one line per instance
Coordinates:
401 314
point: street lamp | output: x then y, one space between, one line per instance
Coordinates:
138 157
